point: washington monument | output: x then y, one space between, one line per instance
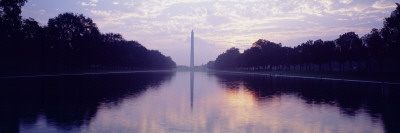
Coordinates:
191 70
192 52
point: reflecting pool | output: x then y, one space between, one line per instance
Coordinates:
195 102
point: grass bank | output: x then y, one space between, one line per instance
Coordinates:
33 75
384 77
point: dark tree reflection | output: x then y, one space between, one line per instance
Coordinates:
380 101
68 102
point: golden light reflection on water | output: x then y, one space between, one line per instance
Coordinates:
240 98
219 108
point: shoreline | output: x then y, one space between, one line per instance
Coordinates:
348 77
322 76
84 73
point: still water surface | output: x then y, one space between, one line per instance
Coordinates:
195 102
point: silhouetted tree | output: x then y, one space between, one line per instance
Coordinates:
210 64
391 32
328 53
70 42
252 57
376 47
72 29
346 50
228 60
31 28
30 51
318 53
349 45
112 38
264 53
10 19
306 54
286 55
10 31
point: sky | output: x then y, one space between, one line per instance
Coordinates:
218 25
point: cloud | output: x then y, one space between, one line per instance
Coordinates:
164 25
383 4
345 1
42 11
84 4
90 3
349 10
129 4
101 13
115 3
217 20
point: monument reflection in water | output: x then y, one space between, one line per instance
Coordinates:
191 89
215 102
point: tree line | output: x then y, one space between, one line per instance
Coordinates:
69 42
376 51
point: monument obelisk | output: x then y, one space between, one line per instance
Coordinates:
192 52
191 70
